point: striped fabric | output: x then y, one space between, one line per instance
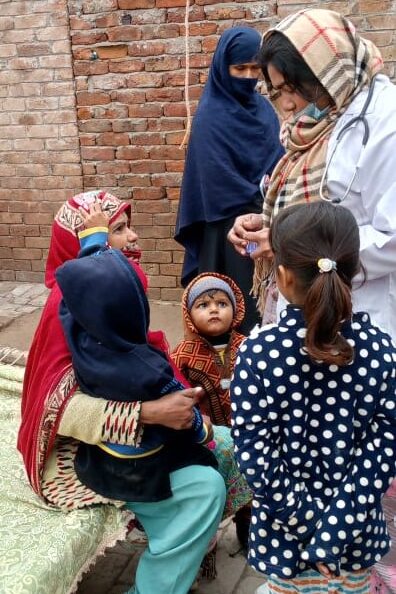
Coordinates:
312 582
344 63
121 423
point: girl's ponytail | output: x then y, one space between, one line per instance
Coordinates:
323 339
319 243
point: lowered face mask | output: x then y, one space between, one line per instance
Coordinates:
312 111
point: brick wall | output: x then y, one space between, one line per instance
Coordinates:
129 68
39 149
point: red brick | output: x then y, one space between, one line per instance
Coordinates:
161 31
175 166
174 137
100 181
153 294
173 193
178 79
29 277
146 110
127 65
167 219
165 124
171 294
160 64
86 98
128 96
153 48
130 125
134 181
154 233
33 49
169 3
85 68
25 254
202 29
132 152
142 219
97 153
122 33
88 37
163 281
167 152
107 21
79 23
170 269
162 94
135 4
177 15
112 139
154 256
149 198
147 139
113 167
148 166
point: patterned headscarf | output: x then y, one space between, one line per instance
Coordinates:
68 221
344 63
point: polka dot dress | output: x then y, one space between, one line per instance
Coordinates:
317 445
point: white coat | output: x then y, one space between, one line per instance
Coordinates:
372 197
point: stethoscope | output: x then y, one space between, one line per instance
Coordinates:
359 118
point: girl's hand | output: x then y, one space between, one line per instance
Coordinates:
325 571
249 228
95 217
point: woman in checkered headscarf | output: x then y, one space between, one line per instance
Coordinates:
339 132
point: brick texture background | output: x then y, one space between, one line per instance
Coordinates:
92 95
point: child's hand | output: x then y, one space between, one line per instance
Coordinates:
95 217
209 428
325 571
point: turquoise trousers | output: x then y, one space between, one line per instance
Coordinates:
178 530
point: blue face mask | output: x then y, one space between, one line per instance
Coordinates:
243 88
312 111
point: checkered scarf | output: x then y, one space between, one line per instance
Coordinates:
344 63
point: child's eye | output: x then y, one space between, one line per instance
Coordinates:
119 229
222 304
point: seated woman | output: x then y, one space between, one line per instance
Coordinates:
56 417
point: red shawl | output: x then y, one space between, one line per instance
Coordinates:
49 379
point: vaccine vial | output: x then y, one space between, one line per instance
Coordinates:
251 247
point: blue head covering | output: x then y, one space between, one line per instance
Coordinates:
105 317
234 142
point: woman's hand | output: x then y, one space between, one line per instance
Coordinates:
249 228
173 410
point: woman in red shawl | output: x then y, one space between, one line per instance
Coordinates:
56 416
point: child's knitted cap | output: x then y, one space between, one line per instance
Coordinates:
209 283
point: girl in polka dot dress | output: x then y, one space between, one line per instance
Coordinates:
314 415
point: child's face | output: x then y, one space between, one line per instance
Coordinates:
120 234
212 314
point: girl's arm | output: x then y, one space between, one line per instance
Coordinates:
368 477
286 500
